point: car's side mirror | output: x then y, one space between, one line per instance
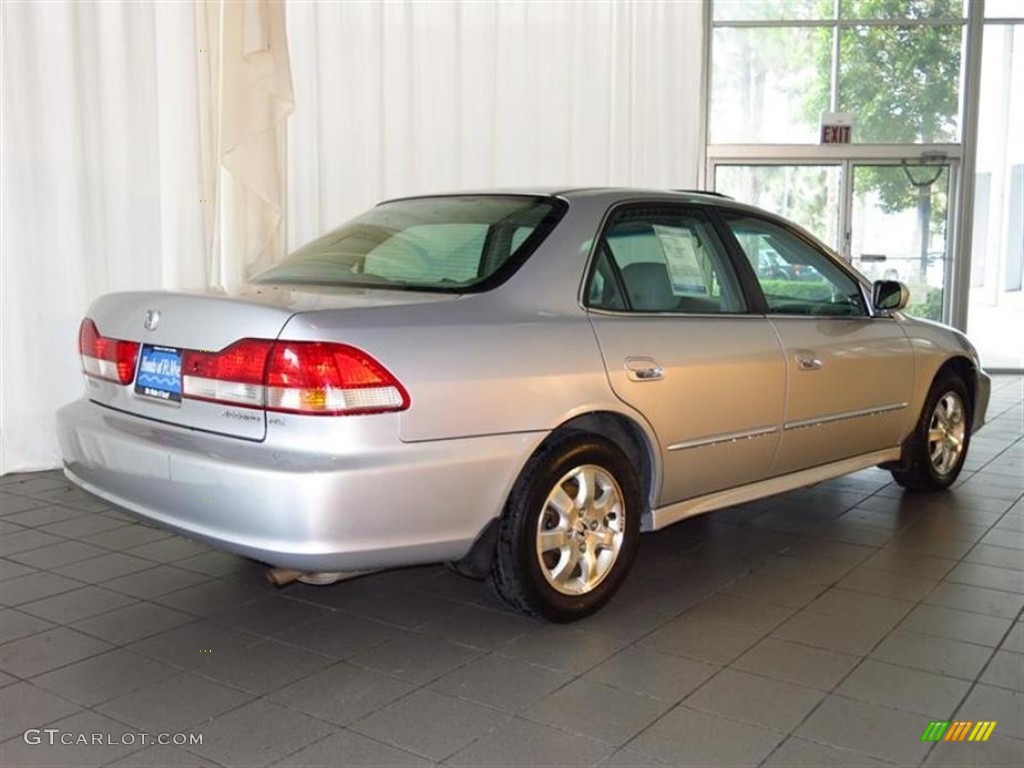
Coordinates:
889 295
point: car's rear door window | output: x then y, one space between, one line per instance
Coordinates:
795 277
662 259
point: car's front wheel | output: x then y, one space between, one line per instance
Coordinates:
569 532
935 453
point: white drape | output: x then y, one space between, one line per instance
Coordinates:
402 97
245 93
99 189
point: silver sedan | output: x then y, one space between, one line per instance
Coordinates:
517 383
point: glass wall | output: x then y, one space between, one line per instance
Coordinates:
893 64
995 319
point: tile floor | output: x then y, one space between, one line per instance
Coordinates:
823 627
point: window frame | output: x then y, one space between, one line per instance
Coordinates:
752 283
599 245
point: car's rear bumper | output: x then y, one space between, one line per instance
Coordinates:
405 504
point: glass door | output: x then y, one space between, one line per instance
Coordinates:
888 218
898 226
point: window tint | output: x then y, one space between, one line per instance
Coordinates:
665 260
795 277
455 244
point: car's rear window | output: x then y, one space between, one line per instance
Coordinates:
453 244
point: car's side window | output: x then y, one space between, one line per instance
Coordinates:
795 277
663 260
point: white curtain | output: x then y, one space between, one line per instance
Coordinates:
245 94
99 189
404 97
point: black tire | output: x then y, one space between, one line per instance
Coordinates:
523 576
921 472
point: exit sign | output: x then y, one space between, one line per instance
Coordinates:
836 127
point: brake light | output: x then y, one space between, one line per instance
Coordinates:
330 379
310 377
104 357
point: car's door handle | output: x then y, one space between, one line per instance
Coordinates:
809 363
643 369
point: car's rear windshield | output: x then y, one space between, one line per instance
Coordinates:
456 244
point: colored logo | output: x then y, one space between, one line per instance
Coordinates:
958 730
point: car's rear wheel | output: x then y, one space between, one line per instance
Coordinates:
570 528
935 453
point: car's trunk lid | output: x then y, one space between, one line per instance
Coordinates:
168 324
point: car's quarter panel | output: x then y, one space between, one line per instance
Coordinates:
850 391
348 496
717 408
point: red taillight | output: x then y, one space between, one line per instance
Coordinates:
310 377
330 379
104 357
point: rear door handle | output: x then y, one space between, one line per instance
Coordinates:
643 369
809 363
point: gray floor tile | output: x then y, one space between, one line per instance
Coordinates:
80 527
479 627
976 600
23 705
36 515
126 537
887 584
623 621
270 615
211 597
1005 670
48 650
161 756
856 606
986 577
12 570
175 703
115 743
35 586
902 688
933 654
191 646
341 694
796 663
881 732
105 567
896 560
339 635
415 658
956 625
801 753
562 647
987 702
352 749
259 733
260 667
155 582
395 606
598 711
168 550
15 624
998 557
649 673
754 699
69 607
103 677
430 724
687 737
11 504
55 555
997 752
131 623
501 682
848 636
627 758
522 743
747 615
1014 640
700 639
786 592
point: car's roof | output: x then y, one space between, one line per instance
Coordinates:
610 194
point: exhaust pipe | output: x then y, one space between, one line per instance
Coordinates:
280 577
